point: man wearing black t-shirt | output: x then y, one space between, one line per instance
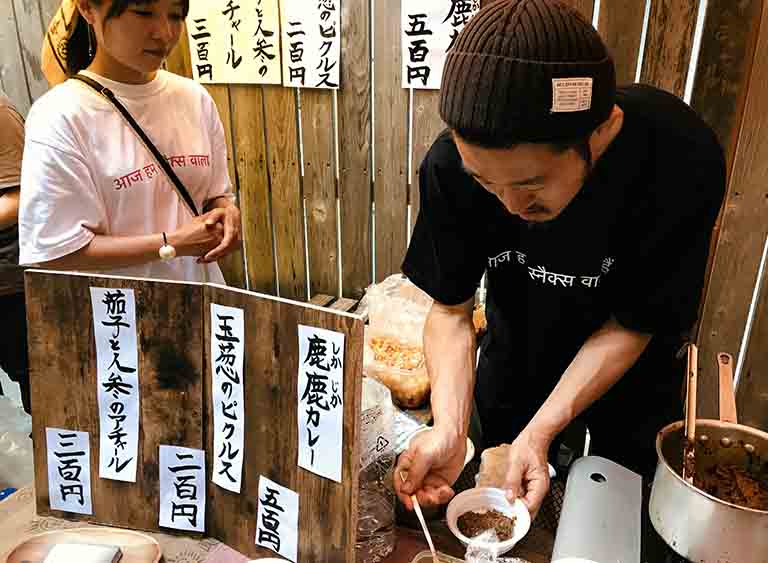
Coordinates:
590 208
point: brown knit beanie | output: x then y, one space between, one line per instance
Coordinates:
527 71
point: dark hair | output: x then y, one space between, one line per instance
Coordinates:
78 56
490 141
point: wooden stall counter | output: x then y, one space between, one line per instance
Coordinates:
19 525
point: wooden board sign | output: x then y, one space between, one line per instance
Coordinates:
179 344
63 383
327 510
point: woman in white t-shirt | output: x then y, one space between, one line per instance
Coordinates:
93 198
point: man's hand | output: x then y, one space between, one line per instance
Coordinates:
431 466
527 472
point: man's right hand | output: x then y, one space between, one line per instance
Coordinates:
197 237
431 466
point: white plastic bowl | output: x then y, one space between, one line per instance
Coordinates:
487 498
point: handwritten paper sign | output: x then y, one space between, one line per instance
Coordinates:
69 470
182 488
321 412
429 30
277 526
235 41
227 342
311 43
117 359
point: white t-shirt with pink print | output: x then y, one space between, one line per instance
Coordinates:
86 173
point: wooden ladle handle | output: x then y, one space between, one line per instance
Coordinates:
692 371
727 397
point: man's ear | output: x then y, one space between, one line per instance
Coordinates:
606 132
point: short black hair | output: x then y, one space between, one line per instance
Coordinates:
78 55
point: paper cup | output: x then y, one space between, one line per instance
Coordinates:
487 498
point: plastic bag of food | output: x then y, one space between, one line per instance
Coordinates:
394 354
398 304
478 550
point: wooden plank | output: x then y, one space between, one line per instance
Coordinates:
284 174
63 380
725 59
328 510
427 125
251 164
318 137
720 90
31 34
668 44
345 304
742 234
391 141
322 300
752 394
12 79
354 116
621 27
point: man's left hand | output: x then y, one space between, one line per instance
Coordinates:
527 475
229 217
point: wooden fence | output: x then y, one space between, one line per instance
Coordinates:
328 182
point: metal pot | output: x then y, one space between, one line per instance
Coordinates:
698 526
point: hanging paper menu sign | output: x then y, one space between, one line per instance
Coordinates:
69 470
277 526
117 375
429 30
227 352
311 43
235 41
320 409
182 488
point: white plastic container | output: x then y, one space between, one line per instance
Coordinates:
482 499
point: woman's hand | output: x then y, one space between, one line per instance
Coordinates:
229 219
198 237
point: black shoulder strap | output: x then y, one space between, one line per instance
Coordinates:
177 183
